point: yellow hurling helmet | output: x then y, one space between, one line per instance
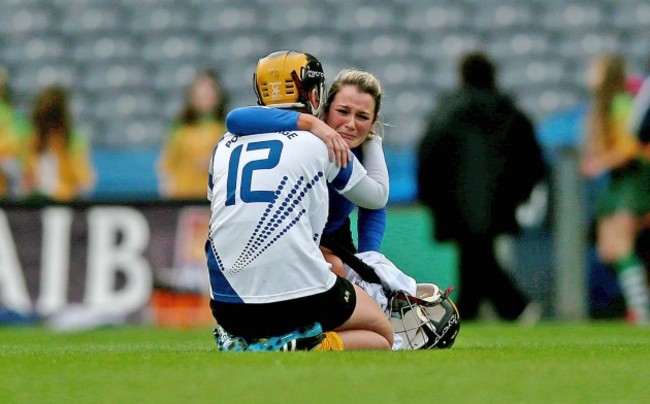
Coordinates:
284 79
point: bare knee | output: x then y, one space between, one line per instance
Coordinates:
368 327
616 236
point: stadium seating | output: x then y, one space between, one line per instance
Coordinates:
128 63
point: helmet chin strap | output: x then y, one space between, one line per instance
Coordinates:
318 106
314 108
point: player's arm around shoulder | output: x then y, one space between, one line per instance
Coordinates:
355 184
251 120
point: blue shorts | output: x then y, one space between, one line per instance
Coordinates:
330 309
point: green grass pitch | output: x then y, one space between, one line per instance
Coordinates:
606 362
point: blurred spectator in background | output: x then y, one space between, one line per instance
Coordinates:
58 164
640 125
640 116
14 129
612 151
477 161
183 164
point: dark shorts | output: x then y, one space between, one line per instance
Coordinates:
330 309
628 191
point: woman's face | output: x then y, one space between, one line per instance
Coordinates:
595 74
352 114
204 94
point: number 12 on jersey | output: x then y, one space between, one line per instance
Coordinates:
246 194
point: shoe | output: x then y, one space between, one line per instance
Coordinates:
228 342
531 314
301 339
634 318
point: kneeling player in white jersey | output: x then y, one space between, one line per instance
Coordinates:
269 203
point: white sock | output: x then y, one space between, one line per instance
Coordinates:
634 286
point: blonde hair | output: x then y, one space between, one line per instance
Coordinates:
365 82
611 81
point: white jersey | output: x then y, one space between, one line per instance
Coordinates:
269 205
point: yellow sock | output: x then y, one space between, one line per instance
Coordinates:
332 342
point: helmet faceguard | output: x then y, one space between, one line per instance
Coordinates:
284 79
428 320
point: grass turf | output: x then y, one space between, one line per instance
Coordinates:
550 363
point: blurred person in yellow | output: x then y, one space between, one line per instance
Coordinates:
185 157
611 151
14 129
58 164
